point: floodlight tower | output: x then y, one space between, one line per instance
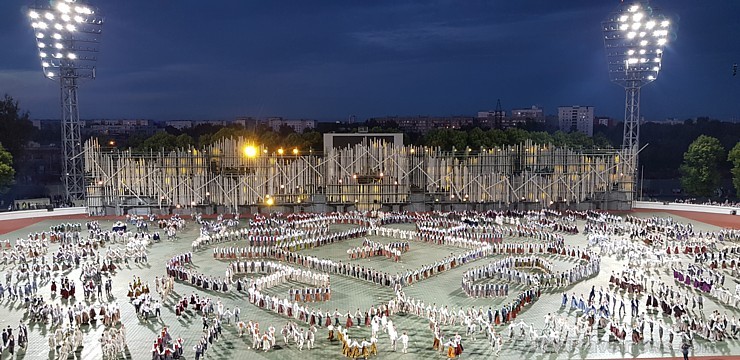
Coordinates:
634 38
68 37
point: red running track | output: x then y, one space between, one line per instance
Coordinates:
721 220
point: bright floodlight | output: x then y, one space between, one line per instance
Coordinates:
622 41
250 151
70 31
80 35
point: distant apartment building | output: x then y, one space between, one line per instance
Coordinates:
498 119
531 115
422 124
492 119
119 126
576 118
179 124
185 124
246 121
298 125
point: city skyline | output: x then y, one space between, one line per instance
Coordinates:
328 60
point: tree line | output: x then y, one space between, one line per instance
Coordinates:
700 170
694 151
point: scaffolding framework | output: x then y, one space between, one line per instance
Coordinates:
370 176
74 177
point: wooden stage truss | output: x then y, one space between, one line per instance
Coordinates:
371 176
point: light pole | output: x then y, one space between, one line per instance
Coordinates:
68 37
634 38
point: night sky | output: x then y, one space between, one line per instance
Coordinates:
186 59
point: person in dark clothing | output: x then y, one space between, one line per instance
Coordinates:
11 344
685 351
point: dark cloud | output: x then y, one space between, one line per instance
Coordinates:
329 59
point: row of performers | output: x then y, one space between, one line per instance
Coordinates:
280 230
305 314
371 248
108 266
66 227
181 259
89 317
312 242
135 290
254 251
256 240
696 249
632 286
507 313
557 226
445 264
402 246
726 251
724 264
310 294
275 273
322 220
199 304
202 281
502 270
356 349
712 276
431 235
668 308
485 290
249 252
555 248
67 288
620 332
697 282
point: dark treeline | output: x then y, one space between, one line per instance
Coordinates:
661 158
666 145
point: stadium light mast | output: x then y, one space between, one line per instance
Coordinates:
634 38
68 38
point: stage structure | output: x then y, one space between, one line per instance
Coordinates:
236 175
634 37
68 37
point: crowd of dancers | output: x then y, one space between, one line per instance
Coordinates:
371 248
266 255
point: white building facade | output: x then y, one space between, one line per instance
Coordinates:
576 118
